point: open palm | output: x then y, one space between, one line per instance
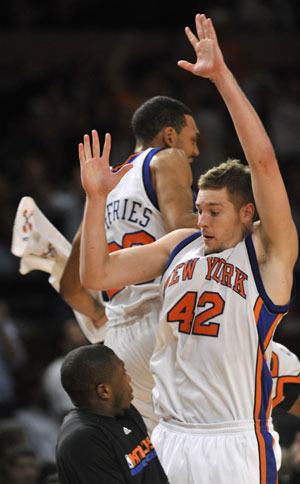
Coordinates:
209 56
96 176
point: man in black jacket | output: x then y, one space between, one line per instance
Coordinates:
104 438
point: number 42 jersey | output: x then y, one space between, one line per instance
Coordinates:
212 356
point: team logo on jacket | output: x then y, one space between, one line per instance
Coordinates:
140 456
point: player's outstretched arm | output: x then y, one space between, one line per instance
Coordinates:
268 187
72 291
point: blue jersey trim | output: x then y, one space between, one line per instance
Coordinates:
180 246
258 280
147 177
194 199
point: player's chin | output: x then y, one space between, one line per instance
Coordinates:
122 411
212 247
128 401
209 248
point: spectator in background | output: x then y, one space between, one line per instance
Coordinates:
48 473
12 356
295 460
11 434
58 400
22 466
290 469
33 414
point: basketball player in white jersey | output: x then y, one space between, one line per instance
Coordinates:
224 290
154 199
285 372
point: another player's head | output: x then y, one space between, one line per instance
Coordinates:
96 380
225 205
166 122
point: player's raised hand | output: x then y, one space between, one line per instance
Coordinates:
209 60
96 176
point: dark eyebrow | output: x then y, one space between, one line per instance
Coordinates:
210 204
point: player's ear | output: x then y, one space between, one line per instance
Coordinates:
103 391
247 213
169 136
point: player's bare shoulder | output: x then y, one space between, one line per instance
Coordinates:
171 163
168 157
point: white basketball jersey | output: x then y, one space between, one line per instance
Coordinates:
285 368
133 218
212 356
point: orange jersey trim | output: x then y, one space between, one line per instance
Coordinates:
118 167
280 384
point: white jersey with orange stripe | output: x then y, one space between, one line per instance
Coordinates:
133 218
285 369
211 361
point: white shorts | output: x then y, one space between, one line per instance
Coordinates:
225 453
133 341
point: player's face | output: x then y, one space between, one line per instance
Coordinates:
121 389
219 221
187 139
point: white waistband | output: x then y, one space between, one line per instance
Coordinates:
215 428
144 312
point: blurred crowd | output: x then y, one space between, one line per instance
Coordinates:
68 68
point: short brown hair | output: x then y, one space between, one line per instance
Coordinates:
233 175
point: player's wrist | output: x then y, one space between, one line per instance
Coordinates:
221 76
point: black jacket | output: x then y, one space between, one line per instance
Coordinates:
93 449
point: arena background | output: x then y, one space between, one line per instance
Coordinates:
73 65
